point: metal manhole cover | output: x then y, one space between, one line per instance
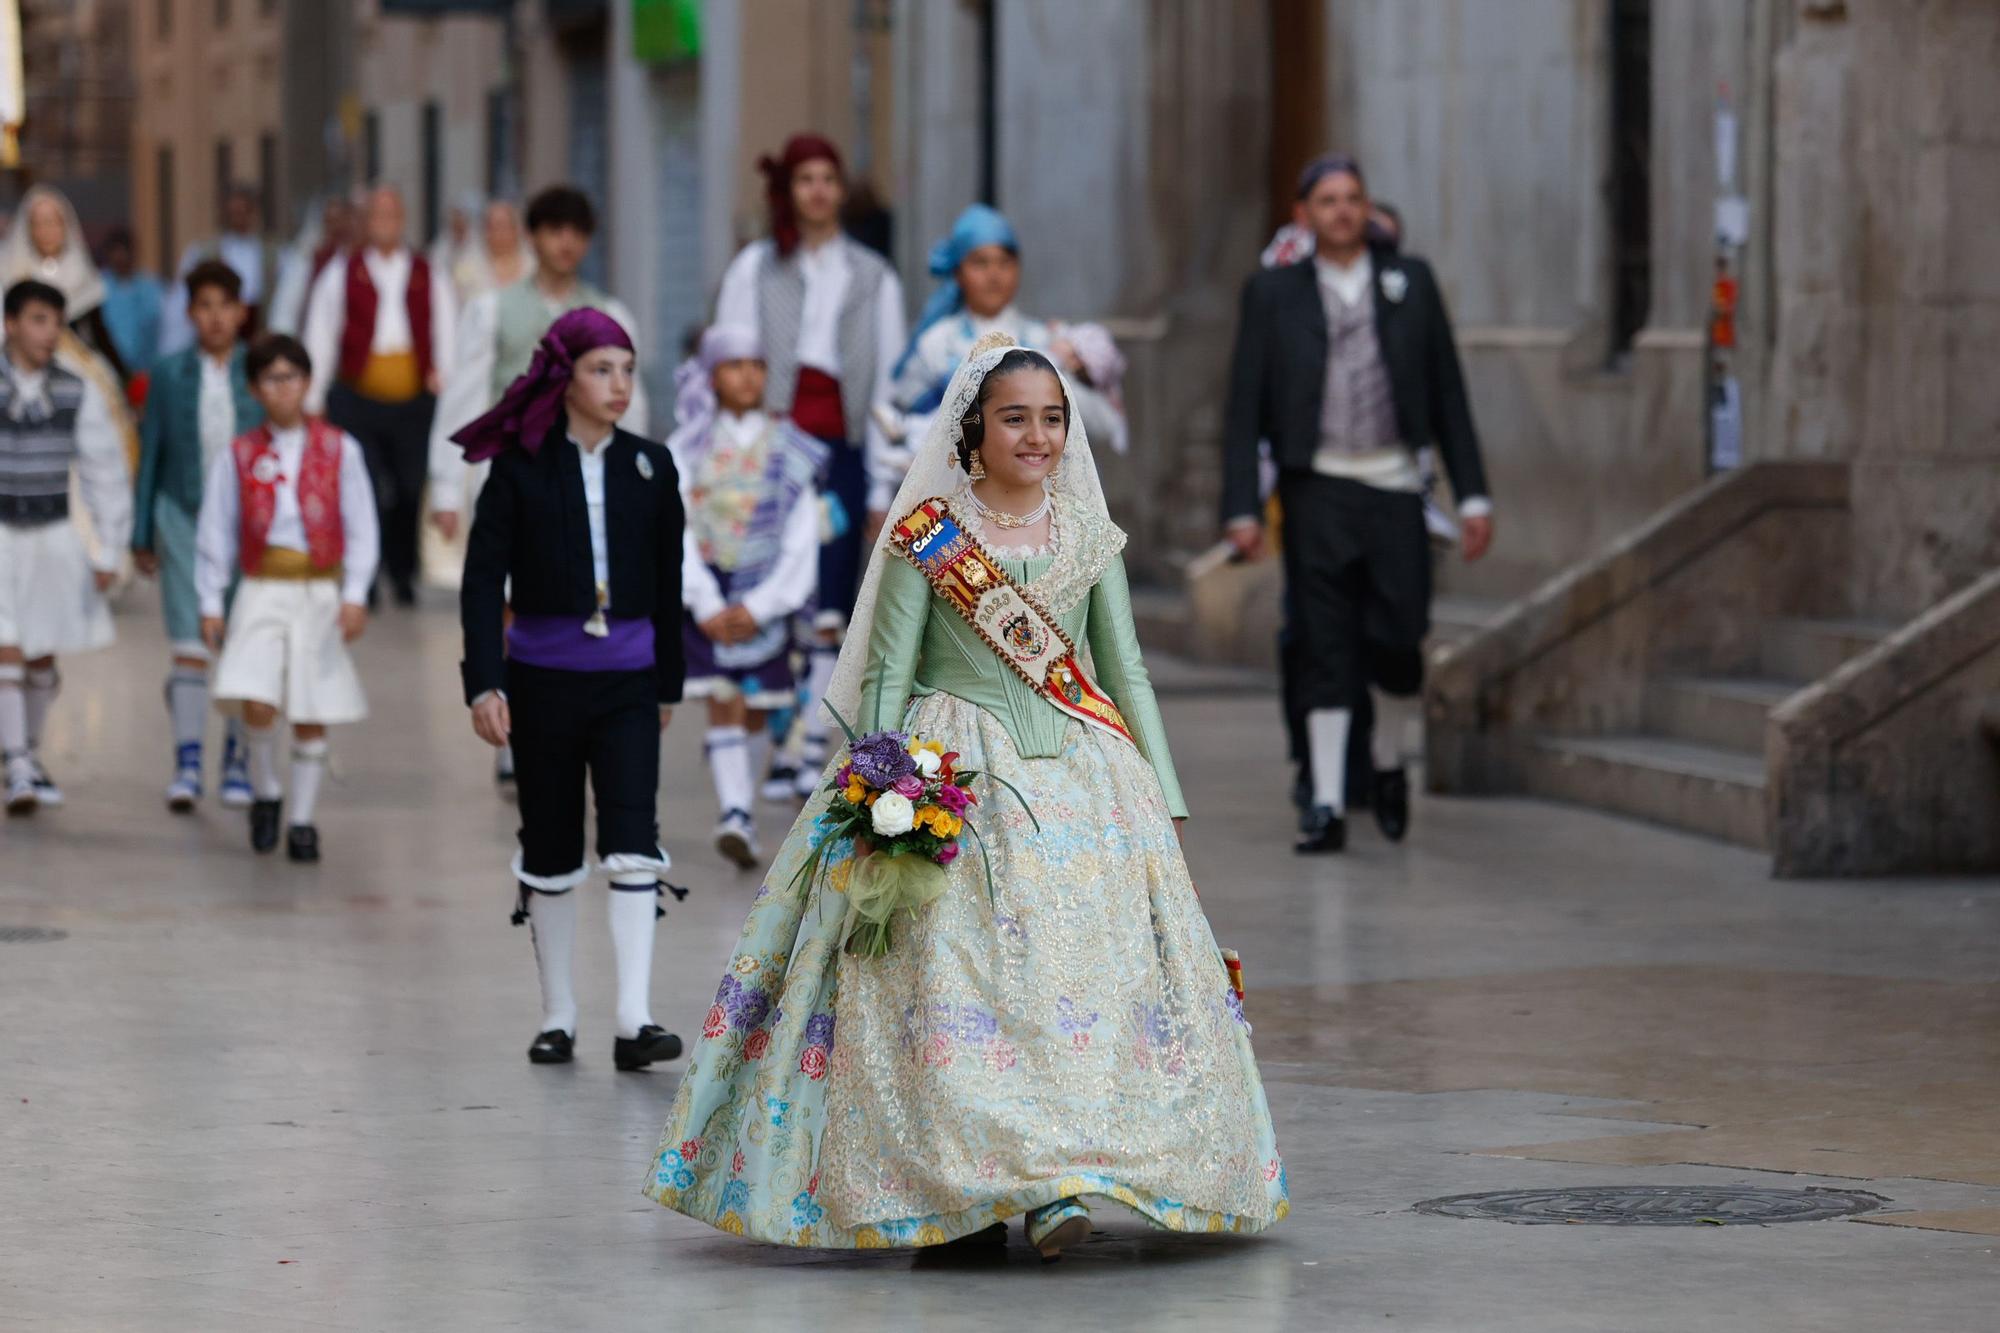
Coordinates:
30 935
1655 1205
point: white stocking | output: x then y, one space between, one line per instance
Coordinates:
1326 733
633 911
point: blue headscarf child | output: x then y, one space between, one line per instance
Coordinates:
978 225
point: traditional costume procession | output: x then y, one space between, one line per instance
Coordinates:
748 484
1056 1023
579 529
199 403
288 518
55 424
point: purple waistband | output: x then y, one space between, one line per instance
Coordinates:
559 643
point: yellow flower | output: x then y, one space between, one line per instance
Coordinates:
730 1222
930 1234
856 791
868 1238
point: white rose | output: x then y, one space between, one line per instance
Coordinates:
893 814
928 762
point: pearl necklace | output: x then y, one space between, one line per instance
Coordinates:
1000 518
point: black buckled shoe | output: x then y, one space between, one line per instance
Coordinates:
1392 803
653 1043
554 1047
302 843
1324 831
264 825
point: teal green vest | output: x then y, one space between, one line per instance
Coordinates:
522 318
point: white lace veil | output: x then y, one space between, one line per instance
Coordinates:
933 473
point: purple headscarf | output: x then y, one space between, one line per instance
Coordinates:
527 411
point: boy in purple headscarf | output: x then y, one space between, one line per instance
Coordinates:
586 521
748 485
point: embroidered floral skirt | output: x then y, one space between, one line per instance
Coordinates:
1074 1035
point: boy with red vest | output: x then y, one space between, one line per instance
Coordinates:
290 507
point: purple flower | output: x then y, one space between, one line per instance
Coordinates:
946 854
881 757
954 798
846 772
909 785
819 1031
745 1005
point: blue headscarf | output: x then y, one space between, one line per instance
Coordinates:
978 225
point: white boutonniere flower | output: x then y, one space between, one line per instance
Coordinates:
1395 284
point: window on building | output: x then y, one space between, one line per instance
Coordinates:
371 147
267 179
1631 175
163 18
433 167
163 193
225 173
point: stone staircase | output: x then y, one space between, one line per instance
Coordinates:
1697 762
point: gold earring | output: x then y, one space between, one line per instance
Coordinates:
977 471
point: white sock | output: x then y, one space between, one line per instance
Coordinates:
13 713
1393 715
187 706
552 926
43 686
1326 733
728 750
813 719
308 768
261 743
633 910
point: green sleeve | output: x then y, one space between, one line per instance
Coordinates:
151 441
902 601
1114 652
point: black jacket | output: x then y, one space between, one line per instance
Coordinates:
1278 376
532 525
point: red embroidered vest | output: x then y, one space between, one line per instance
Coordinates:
359 335
257 476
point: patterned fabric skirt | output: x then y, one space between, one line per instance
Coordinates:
1075 1034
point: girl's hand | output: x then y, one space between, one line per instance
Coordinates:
492 720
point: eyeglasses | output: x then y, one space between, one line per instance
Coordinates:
278 379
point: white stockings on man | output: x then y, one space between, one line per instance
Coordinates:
1326 736
729 764
634 910
1395 714
552 925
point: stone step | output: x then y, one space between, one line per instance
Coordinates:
1456 617
1700 788
1809 649
1727 712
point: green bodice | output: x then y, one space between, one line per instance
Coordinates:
921 646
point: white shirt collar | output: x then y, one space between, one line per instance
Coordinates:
746 426
1348 282
211 365
598 452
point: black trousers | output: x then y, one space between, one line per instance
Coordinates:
396 440
569 724
1358 580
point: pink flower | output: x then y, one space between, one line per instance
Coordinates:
813 1063
1000 1057
946 854
690 1150
954 798
736 1162
756 1044
716 1023
909 785
846 772
938 1053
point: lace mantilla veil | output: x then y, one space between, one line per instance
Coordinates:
933 473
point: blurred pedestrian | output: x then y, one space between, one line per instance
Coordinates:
978 267
498 256
134 304
287 510
326 236
829 314
199 402
379 328
52 421
244 245
1345 362
748 486
497 340
585 678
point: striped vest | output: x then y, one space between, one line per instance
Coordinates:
35 456
781 306
1358 412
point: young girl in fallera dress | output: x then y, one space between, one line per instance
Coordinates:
1074 1034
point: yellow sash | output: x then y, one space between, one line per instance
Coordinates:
1010 622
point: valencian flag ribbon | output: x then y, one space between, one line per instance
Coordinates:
1020 633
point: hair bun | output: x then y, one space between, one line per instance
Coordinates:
991 342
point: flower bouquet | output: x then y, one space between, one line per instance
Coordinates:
900 802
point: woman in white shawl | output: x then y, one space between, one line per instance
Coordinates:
1066 1030
46 243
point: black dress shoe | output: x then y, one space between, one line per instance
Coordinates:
554 1047
406 594
653 1043
302 843
264 825
1324 832
1302 794
1392 803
